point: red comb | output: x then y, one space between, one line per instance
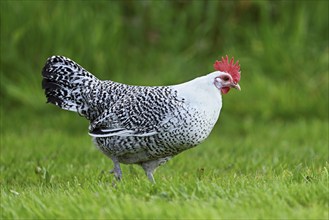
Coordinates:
229 67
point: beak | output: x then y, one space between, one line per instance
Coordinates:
236 86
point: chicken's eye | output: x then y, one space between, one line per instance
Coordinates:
225 78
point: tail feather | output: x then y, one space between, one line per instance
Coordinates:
67 84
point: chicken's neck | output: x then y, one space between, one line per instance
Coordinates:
202 95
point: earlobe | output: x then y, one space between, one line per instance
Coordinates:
217 83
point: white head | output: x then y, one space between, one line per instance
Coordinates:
227 75
224 82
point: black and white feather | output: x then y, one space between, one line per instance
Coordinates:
135 124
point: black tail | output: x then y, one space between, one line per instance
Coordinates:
67 84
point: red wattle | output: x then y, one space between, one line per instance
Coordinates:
225 90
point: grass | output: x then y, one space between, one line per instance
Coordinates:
266 158
265 172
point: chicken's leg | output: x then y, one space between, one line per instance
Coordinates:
150 166
116 170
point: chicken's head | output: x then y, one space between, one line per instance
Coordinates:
229 75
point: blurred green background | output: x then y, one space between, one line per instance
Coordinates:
269 149
282 47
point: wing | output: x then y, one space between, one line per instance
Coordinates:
142 111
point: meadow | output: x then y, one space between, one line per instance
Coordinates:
267 156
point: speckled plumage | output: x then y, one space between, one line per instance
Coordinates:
135 124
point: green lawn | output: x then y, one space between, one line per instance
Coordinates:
266 158
256 170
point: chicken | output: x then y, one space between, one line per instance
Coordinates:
144 125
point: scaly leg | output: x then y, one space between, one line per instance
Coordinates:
150 166
116 170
